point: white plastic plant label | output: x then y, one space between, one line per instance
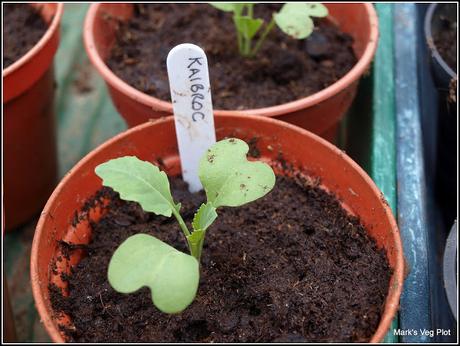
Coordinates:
192 105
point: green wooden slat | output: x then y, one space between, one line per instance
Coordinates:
383 147
383 154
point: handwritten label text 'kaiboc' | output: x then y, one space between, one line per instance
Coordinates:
196 88
193 116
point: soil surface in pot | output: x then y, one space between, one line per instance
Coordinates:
23 27
292 266
285 69
445 41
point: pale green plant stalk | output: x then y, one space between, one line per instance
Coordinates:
229 180
294 19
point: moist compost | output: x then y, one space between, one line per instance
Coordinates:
285 69
292 266
445 41
23 27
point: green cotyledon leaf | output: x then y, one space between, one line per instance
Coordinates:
236 8
223 6
138 181
229 179
294 19
143 260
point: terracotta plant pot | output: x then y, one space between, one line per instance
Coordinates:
157 139
30 165
319 113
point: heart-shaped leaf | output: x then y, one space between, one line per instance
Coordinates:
317 9
143 260
294 18
139 181
229 179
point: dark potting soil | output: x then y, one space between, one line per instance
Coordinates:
292 266
23 27
285 69
446 42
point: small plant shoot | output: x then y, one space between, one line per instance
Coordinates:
229 180
294 19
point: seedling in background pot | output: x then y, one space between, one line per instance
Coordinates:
229 180
294 19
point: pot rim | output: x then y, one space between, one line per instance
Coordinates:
450 269
351 76
394 292
430 42
40 44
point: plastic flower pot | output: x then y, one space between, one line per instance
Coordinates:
450 269
151 140
445 80
442 72
30 163
319 113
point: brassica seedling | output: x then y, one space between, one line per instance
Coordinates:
228 178
294 19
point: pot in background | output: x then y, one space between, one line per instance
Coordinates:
445 80
443 73
319 113
30 159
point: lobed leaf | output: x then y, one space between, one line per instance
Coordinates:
138 181
294 18
143 260
229 179
204 217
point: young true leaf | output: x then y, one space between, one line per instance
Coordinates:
139 181
247 26
229 179
294 18
204 217
143 260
